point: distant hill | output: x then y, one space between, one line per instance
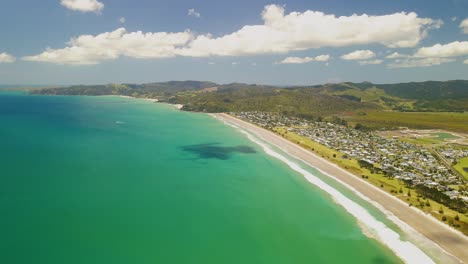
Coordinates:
233 98
430 90
325 99
414 96
146 90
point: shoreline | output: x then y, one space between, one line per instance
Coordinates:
177 106
449 241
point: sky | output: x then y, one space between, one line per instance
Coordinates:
289 42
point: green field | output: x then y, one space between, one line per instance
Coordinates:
462 167
419 120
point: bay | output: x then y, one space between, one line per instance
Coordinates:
117 180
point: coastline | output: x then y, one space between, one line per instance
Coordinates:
177 106
449 240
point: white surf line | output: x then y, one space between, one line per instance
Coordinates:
405 250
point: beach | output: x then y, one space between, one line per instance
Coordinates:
450 240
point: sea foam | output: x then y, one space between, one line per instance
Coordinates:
405 250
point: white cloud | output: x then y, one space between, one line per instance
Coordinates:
370 62
279 33
282 33
454 18
453 49
88 49
6 58
396 55
322 58
83 5
359 55
465 62
412 62
235 63
430 56
299 60
192 12
122 20
464 26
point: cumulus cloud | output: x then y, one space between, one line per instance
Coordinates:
396 55
416 62
282 33
83 5
370 62
359 55
6 58
88 49
464 26
122 20
430 56
279 33
453 49
301 60
193 13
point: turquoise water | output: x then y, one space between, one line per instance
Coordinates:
115 180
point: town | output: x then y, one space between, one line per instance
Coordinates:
415 165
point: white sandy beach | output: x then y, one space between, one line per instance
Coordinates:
451 241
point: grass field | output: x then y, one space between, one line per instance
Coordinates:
461 166
419 120
392 186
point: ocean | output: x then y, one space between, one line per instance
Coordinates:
119 180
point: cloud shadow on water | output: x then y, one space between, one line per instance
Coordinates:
215 151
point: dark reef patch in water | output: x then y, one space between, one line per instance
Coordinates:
215 151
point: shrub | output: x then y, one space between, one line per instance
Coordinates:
441 210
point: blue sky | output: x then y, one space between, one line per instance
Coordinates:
270 42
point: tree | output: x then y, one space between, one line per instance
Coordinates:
457 218
441 210
358 126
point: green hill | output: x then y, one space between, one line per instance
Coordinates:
328 99
430 90
300 101
137 90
